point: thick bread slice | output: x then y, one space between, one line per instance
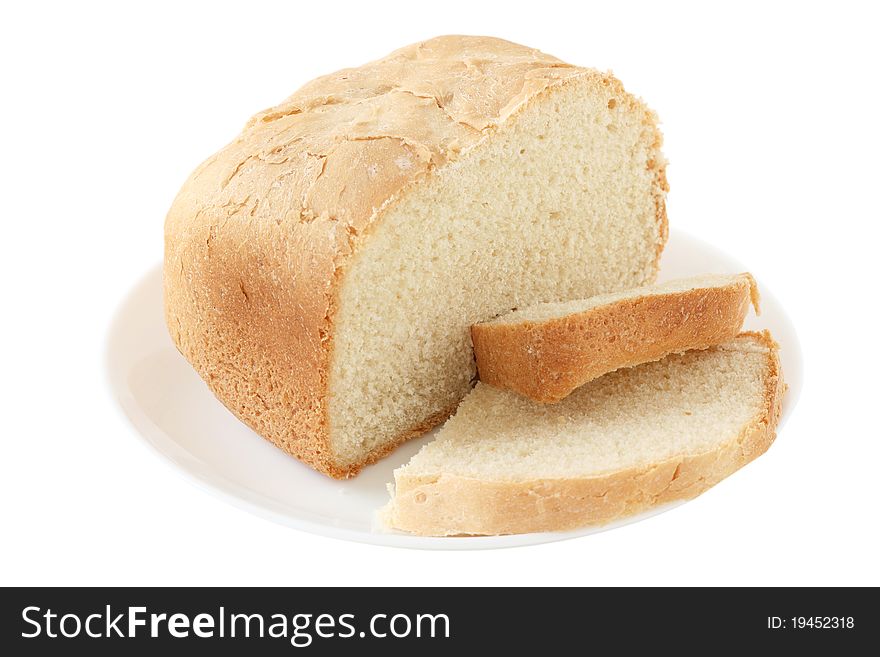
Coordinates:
547 350
628 441
322 271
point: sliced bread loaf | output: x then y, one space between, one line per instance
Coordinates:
547 350
322 271
621 444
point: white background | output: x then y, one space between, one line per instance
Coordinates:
770 112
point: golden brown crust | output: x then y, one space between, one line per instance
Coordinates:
447 505
257 240
546 360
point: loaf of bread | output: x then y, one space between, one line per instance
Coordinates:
547 350
323 270
619 445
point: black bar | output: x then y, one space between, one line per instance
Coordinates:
683 621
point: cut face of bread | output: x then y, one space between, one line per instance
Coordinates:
547 350
323 270
538 214
621 444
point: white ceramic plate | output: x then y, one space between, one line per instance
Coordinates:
175 413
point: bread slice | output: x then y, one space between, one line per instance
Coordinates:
628 441
322 271
547 350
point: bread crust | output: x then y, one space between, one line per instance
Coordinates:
257 240
546 360
448 505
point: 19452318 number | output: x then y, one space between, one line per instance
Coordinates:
811 622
